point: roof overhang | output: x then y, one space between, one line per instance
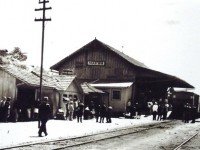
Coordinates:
112 85
87 89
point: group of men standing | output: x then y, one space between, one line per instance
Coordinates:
160 110
102 112
92 110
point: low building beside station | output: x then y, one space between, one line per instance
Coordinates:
23 86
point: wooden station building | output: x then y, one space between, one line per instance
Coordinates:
121 77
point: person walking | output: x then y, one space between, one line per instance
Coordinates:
44 114
155 110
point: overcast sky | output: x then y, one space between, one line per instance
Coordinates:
163 34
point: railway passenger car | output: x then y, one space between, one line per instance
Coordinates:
179 98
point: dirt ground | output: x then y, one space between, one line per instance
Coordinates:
165 138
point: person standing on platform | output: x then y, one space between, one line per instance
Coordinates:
128 108
102 113
108 115
137 110
97 112
86 112
193 113
6 109
2 104
71 111
80 110
186 112
160 111
44 115
155 110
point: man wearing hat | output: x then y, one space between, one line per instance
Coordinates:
44 114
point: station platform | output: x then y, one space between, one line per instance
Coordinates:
18 133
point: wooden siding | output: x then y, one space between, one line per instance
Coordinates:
73 91
7 85
114 67
119 106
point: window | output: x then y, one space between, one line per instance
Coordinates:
116 95
67 72
75 98
71 97
79 64
65 98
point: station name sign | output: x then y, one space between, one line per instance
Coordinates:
96 63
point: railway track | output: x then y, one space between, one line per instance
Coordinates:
186 141
78 141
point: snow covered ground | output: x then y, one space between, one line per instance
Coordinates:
27 132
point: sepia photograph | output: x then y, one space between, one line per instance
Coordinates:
99 74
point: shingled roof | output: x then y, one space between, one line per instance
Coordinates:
27 77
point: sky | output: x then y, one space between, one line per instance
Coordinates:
163 34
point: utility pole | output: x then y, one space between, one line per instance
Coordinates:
43 19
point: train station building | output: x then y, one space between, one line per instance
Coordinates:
119 77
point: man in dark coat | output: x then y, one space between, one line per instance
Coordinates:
44 114
97 112
80 110
102 113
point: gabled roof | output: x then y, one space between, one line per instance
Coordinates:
58 82
140 67
95 41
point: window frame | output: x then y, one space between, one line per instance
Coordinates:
116 96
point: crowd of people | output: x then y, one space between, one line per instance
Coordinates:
42 112
80 111
100 112
158 109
